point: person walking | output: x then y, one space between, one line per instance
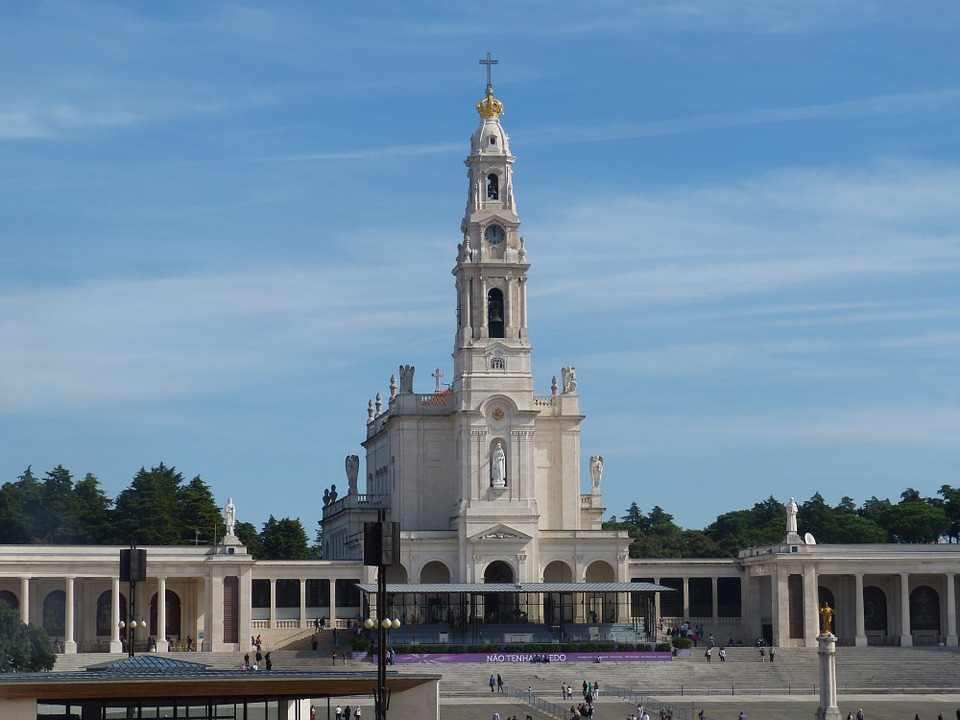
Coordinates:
499 683
339 713
723 654
493 683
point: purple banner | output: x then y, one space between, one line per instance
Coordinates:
505 657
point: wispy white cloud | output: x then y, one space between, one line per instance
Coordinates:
114 342
786 229
918 103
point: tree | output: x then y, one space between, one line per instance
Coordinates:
21 503
247 534
634 516
93 511
764 524
59 522
951 506
23 648
916 520
199 512
316 550
148 511
284 540
817 518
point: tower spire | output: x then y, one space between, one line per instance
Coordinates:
489 62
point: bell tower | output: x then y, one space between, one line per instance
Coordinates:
492 347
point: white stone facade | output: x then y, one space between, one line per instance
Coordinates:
484 472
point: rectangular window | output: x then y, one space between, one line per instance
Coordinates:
728 597
671 603
260 593
318 593
288 593
348 594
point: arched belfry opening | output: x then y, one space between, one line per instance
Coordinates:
495 313
493 187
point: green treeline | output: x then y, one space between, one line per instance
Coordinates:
914 519
161 508
158 508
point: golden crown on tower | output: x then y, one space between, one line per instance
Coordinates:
490 107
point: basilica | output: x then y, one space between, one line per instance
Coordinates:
500 537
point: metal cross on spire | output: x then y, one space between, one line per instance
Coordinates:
489 62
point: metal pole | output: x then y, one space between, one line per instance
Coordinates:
381 698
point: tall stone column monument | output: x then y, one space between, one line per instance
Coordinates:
827 651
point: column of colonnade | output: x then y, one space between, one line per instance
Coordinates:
161 640
906 639
860 639
115 644
811 606
951 610
69 639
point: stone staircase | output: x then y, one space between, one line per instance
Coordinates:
794 671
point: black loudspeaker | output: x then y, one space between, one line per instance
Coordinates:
381 543
133 566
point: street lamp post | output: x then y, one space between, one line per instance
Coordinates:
131 625
133 569
381 548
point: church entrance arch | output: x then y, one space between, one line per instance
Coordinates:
557 606
396 573
437 606
499 607
601 607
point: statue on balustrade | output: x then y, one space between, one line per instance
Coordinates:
353 467
406 378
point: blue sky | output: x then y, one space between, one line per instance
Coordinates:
224 225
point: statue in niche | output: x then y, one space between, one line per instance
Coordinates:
406 378
792 516
498 467
230 516
569 375
596 471
352 464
